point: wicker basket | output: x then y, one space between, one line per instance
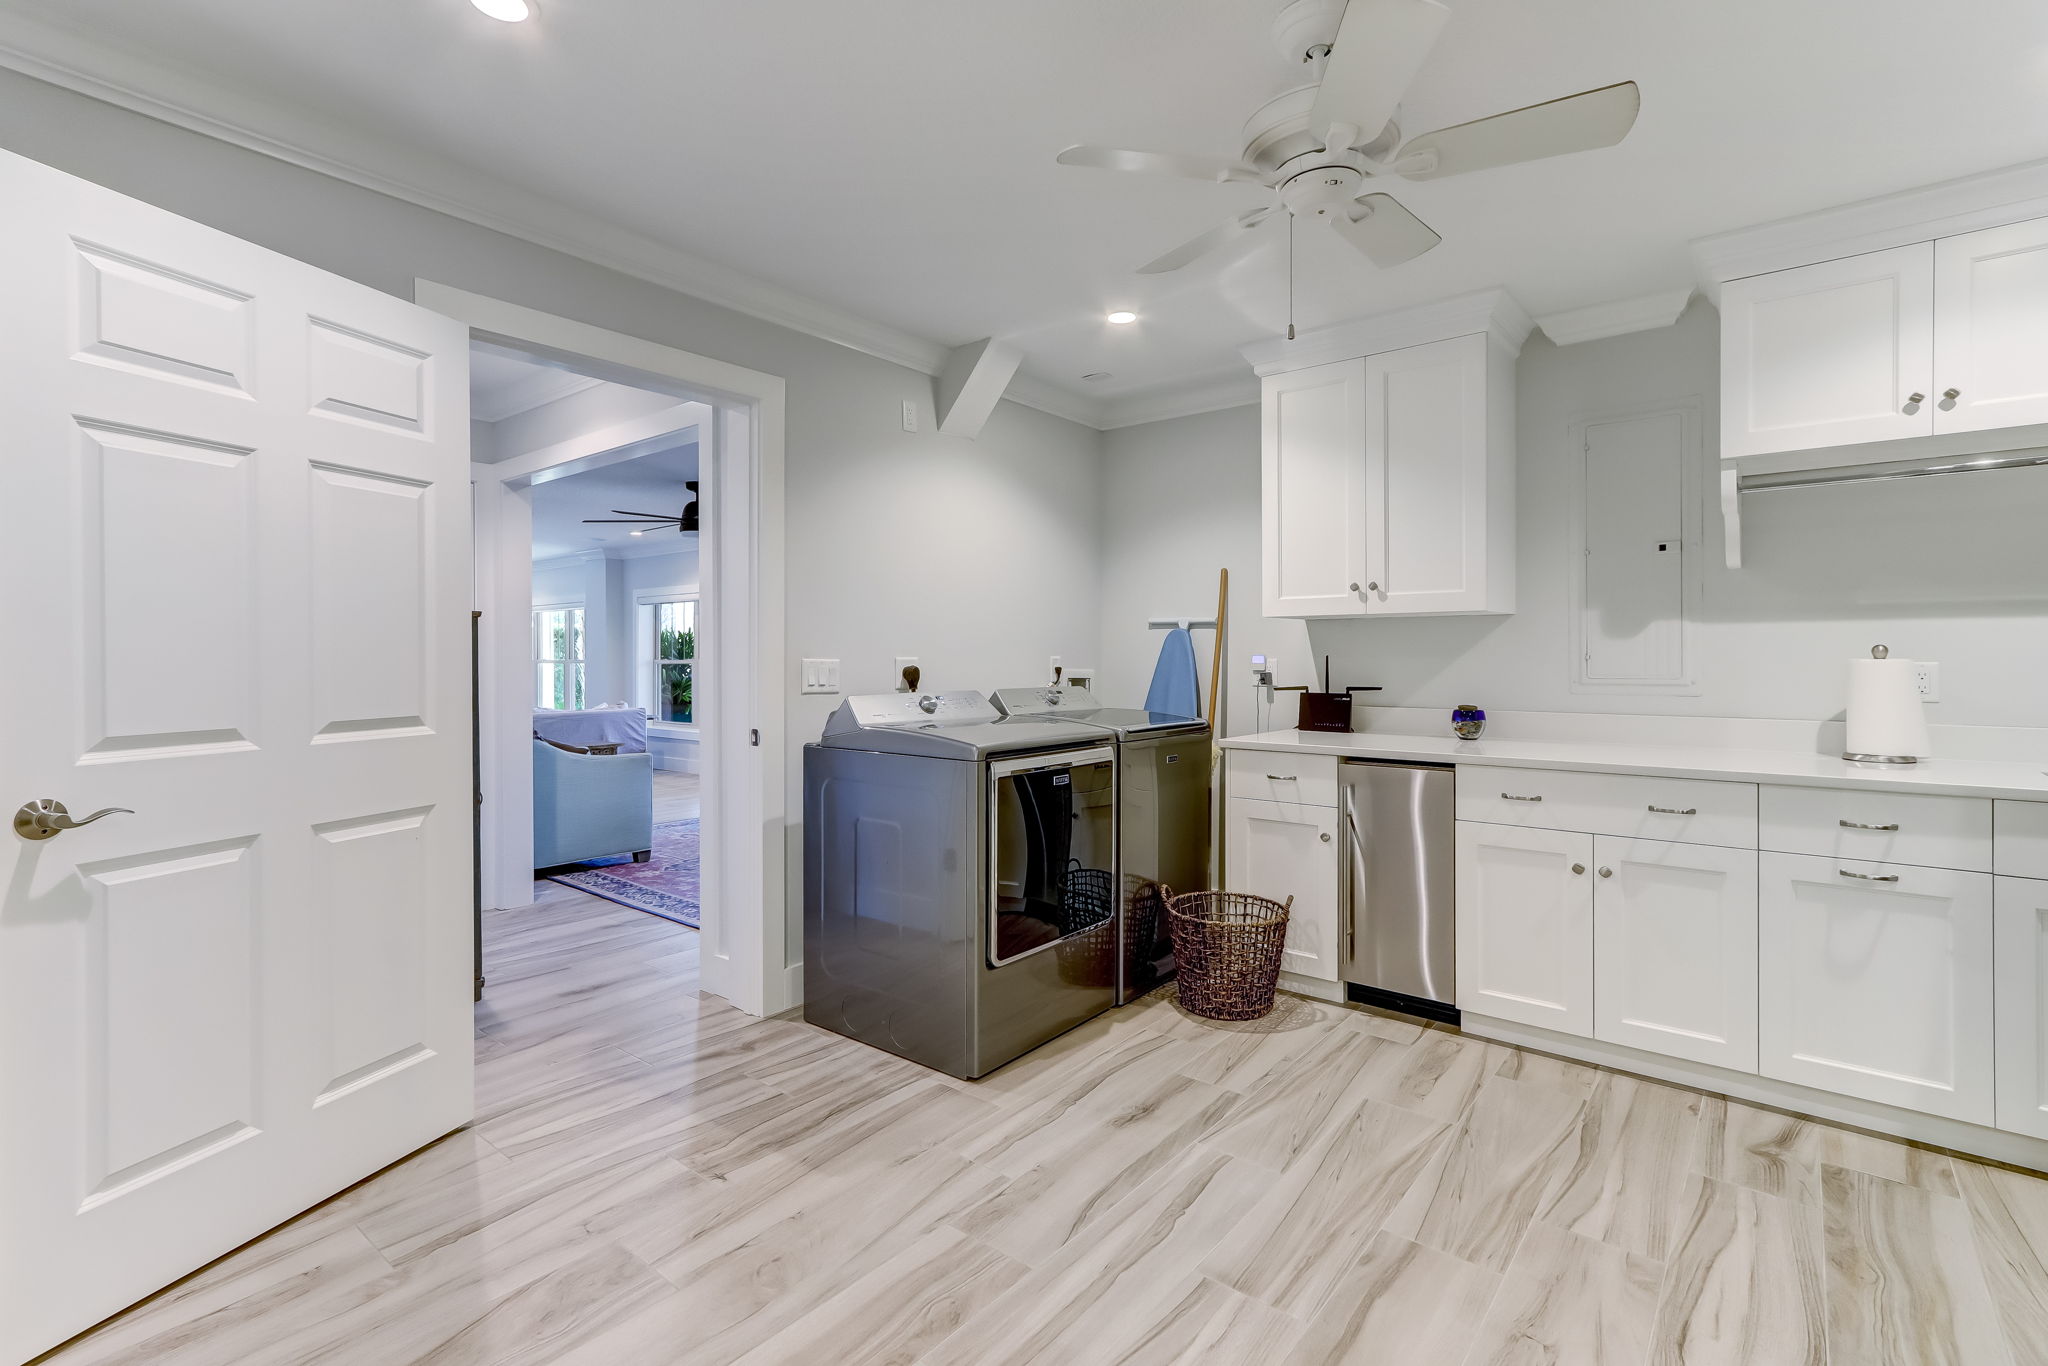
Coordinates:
1087 950
1227 946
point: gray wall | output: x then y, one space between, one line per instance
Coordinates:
1953 570
979 556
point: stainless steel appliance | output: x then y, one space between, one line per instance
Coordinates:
1162 817
959 867
1400 937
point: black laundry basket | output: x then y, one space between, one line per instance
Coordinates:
1227 946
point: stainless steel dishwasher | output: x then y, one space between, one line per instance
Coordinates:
1400 907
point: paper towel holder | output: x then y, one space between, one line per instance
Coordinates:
1880 652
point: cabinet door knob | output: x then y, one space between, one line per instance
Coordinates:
1859 825
1951 394
1326 837
1869 877
1606 872
1578 868
1372 588
1914 400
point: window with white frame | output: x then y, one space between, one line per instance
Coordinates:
558 657
674 661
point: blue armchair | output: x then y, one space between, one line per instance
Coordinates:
588 806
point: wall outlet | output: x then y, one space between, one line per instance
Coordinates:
820 675
1927 678
904 662
909 414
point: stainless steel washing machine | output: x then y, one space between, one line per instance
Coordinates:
960 899
1162 816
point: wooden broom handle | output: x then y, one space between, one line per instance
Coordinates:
1216 650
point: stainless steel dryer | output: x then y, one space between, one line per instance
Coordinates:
959 878
1162 816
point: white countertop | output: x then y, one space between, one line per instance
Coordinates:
1949 777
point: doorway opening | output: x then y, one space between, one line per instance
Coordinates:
618 725
713 714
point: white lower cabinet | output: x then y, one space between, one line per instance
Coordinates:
2022 992
1525 925
1280 850
1674 950
1875 980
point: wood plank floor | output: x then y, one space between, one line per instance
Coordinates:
655 1178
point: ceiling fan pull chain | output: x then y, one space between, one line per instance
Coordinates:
1290 277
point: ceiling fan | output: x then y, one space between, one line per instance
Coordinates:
686 523
1325 148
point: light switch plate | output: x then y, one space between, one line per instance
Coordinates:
909 414
820 675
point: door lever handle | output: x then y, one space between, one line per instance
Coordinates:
45 818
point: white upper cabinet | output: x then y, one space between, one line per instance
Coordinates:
1991 328
1430 544
1829 354
1312 492
1388 469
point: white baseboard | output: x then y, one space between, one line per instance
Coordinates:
2018 1149
1313 987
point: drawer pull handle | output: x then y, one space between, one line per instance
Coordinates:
1283 777
1869 877
1674 811
1511 797
1859 825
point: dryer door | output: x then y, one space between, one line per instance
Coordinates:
1052 851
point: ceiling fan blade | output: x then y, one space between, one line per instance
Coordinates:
1379 47
1387 234
630 521
1159 163
1229 232
657 516
1576 123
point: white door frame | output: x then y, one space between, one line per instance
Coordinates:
744 949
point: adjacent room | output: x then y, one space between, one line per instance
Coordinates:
1191 682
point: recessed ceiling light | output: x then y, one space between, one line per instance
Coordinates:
511 11
1122 316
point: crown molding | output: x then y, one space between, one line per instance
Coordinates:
1992 199
184 99
1645 313
1492 311
1207 396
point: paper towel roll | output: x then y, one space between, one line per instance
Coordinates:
1886 715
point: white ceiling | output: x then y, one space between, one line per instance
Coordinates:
892 159
646 483
502 384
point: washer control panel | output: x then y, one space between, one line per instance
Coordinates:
870 710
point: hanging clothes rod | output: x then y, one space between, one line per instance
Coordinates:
1919 468
1182 623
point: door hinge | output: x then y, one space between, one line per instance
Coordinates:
754 738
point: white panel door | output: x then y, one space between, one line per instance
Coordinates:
234 518
1279 850
2022 998
1875 980
1312 502
1829 354
1525 925
1991 328
1674 950
1425 478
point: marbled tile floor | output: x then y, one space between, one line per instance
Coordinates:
654 1178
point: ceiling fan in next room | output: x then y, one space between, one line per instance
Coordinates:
686 523
1326 149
